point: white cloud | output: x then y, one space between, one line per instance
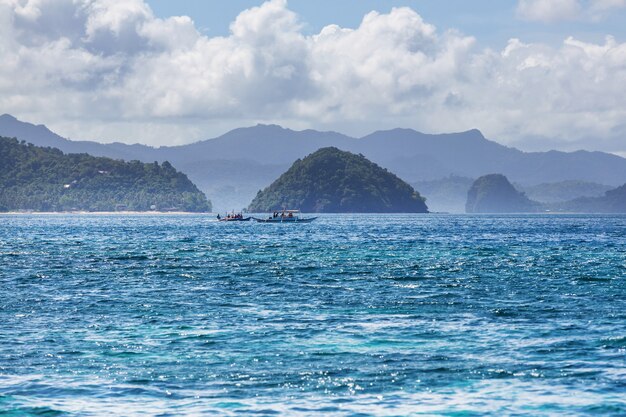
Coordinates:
115 16
607 4
549 10
102 69
559 10
600 9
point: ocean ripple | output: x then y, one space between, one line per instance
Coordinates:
352 315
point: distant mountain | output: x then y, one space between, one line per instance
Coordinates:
263 151
494 193
447 194
45 179
563 191
613 201
469 154
228 181
334 181
40 135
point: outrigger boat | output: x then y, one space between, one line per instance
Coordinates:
233 218
286 216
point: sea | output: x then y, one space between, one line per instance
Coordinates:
351 315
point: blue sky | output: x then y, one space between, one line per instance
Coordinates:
534 74
492 22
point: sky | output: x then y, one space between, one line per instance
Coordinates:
534 74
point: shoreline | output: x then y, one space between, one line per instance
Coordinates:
108 213
184 213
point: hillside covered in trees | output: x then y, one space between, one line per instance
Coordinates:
494 193
45 179
334 181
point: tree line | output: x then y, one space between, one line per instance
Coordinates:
46 179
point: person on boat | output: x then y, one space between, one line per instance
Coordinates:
218 216
290 215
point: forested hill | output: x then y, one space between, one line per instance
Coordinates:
45 179
334 181
494 193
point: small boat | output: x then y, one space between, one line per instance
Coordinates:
286 216
233 218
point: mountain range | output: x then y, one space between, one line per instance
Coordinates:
231 168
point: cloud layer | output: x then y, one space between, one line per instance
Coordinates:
111 69
559 10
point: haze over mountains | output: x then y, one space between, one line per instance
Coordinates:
493 193
231 168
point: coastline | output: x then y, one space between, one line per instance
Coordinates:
106 213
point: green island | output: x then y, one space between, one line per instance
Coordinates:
334 181
45 179
494 193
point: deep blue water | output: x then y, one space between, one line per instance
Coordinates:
351 315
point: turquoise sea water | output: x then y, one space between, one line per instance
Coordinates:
352 315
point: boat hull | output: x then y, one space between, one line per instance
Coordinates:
245 219
285 220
